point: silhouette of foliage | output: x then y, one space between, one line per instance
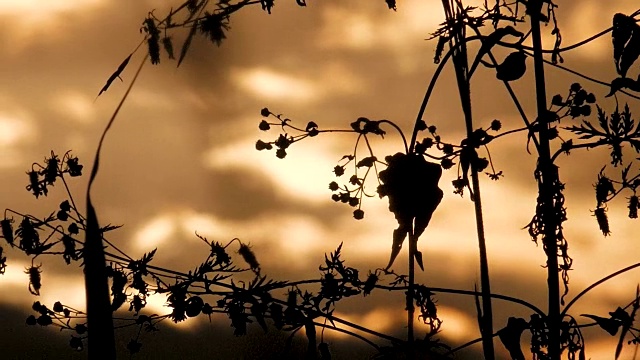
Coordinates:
409 179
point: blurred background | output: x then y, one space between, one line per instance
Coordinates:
181 158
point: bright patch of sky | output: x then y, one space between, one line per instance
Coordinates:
37 10
305 173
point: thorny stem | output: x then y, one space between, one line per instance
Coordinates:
462 76
545 185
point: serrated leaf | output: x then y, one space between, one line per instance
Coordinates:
109 227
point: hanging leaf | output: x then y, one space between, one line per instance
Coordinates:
214 26
168 46
411 183
626 42
153 39
187 43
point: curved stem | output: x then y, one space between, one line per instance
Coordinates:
404 140
467 344
595 284
358 336
432 84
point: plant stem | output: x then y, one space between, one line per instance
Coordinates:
101 342
461 66
545 186
410 291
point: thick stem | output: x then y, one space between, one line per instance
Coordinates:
461 65
545 185
101 342
409 299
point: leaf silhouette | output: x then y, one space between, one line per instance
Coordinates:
490 41
626 42
609 325
411 183
186 44
510 336
626 319
116 74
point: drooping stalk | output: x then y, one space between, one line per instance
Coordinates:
101 338
461 66
545 185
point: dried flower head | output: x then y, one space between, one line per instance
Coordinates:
249 257
603 222
35 281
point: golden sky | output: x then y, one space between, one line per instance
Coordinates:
181 155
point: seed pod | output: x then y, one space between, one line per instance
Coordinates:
603 221
69 249
74 168
370 283
35 281
7 230
633 207
51 171
34 184
277 315
603 188
249 257
325 354
29 238
194 306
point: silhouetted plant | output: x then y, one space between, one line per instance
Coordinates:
406 178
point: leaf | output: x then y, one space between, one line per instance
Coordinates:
146 258
116 74
310 331
187 43
622 28
510 336
367 162
168 46
109 227
609 325
153 40
418 256
214 26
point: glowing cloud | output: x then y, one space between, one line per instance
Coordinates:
272 85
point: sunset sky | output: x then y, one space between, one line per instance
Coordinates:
181 156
